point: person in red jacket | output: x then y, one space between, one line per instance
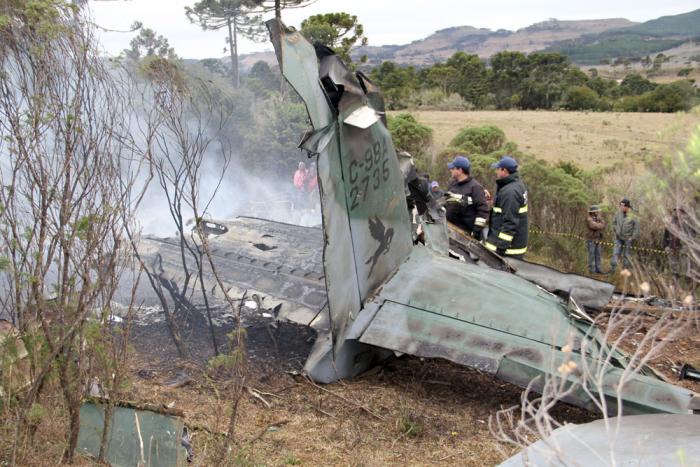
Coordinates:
300 177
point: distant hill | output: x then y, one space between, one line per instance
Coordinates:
686 24
585 42
636 41
484 42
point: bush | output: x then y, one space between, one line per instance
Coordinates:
581 98
410 136
436 99
480 140
672 97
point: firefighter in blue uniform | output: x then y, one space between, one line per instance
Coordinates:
466 205
508 225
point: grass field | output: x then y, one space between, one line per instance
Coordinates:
589 139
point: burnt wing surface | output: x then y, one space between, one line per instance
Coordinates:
386 294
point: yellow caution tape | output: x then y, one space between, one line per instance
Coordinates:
579 237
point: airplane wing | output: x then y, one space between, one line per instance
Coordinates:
491 320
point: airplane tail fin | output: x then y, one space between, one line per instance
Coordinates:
366 223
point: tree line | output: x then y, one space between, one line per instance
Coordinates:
514 80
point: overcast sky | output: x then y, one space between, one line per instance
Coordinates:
385 21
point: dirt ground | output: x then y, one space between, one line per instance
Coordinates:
590 139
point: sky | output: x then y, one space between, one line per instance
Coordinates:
385 21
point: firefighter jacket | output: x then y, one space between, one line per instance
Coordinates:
471 212
626 226
508 226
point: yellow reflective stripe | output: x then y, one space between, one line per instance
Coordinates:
480 221
505 236
516 251
522 210
490 246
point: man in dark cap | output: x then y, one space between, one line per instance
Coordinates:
466 204
594 235
509 224
626 228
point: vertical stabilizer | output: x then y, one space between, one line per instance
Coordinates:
365 218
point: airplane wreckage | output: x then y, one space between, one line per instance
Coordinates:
376 281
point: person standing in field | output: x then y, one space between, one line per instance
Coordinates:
595 225
509 224
626 228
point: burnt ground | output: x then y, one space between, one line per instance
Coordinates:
271 346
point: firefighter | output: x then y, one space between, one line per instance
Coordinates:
508 226
466 202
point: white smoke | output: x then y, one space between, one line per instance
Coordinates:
236 193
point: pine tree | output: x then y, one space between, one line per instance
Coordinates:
237 16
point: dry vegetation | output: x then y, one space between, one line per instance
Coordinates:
590 139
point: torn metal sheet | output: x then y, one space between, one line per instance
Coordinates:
386 294
136 437
660 439
362 118
591 293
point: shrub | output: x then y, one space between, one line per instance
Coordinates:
672 97
480 140
581 98
437 99
410 136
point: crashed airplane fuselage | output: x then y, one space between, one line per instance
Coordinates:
386 295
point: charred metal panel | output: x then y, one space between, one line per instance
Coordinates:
281 263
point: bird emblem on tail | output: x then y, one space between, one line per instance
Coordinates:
383 236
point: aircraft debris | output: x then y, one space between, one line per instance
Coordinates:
658 439
150 437
386 295
689 372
